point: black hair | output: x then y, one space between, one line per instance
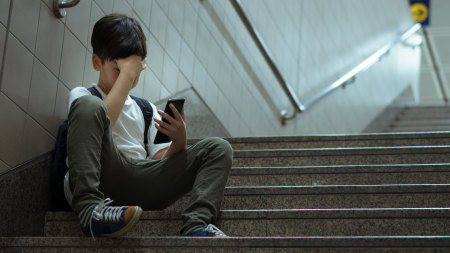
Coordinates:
117 36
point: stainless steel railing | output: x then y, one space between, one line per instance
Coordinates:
344 80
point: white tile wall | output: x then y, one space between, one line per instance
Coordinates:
36 141
3 167
2 45
4 11
152 87
12 126
43 91
439 36
77 20
24 22
49 41
204 45
60 112
17 72
73 59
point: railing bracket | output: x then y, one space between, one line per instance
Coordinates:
60 5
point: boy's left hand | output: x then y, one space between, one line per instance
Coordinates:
176 130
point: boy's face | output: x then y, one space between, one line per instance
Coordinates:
109 72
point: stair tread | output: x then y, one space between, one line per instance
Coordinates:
435 212
393 168
336 189
231 242
341 137
342 151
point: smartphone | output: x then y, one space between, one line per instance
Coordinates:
178 103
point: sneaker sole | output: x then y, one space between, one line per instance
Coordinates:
129 226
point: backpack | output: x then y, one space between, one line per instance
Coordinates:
59 167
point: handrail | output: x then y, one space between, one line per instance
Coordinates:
435 66
363 66
59 5
344 80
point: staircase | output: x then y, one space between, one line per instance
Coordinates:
422 119
333 193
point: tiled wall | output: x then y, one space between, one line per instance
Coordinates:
439 40
203 44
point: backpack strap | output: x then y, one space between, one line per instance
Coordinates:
95 92
147 111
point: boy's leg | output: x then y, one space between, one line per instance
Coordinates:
203 168
93 156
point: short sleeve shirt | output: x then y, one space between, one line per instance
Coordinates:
128 132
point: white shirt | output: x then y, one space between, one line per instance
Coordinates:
128 132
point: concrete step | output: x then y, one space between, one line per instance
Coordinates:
341 156
330 196
284 223
418 129
384 244
424 109
427 116
332 141
416 122
341 175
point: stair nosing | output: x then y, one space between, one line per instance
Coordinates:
347 151
342 137
341 169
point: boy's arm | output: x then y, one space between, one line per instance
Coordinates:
160 153
166 152
116 98
130 71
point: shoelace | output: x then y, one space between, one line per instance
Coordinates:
213 229
109 214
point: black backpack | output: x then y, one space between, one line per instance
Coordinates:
59 167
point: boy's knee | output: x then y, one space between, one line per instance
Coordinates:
88 102
88 105
220 144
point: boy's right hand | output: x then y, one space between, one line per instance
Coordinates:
132 65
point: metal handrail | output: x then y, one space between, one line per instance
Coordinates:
59 5
343 81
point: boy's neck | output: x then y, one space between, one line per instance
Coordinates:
103 87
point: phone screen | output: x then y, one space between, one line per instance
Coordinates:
178 103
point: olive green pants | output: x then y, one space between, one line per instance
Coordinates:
98 170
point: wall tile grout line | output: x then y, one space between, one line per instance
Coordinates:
5 165
6 42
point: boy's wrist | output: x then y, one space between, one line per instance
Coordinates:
173 149
127 79
177 146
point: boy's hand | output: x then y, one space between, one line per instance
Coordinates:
176 130
132 65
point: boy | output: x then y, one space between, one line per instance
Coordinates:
106 153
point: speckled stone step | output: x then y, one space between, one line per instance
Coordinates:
330 141
421 122
427 109
284 223
418 129
330 196
341 175
423 116
316 244
341 156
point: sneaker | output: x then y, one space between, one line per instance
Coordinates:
207 231
110 221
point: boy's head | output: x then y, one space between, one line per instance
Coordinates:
115 36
